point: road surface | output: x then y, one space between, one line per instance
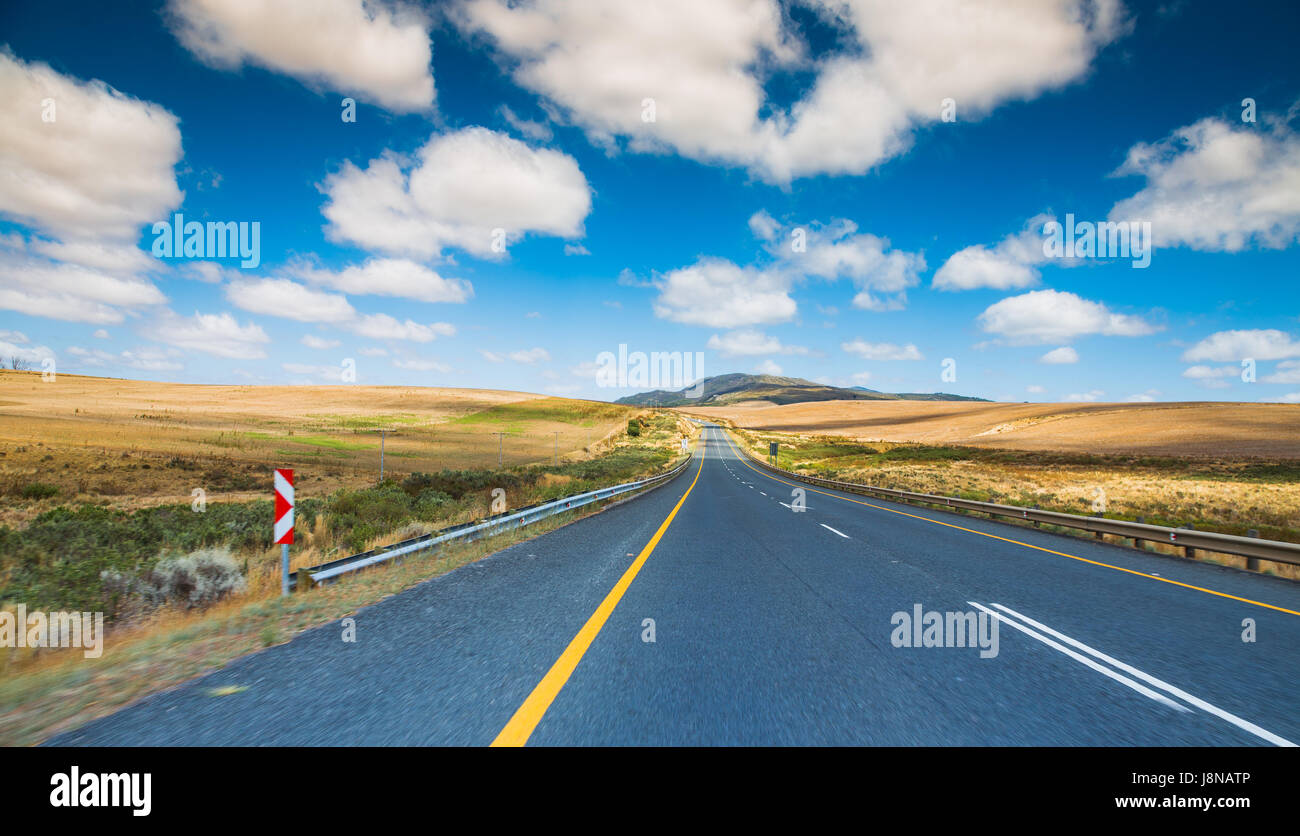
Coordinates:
770 626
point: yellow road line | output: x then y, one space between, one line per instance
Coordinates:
530 713
745 460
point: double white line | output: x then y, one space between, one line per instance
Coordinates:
1133 673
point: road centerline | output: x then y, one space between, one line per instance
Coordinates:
525 719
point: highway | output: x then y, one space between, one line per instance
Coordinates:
771 626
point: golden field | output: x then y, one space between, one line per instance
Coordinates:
128 443
1217 430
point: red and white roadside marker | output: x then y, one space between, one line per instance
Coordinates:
284 522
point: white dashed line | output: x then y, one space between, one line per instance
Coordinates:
833 531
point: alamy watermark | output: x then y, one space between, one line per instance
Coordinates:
945 629
656 370
215 239
55 629
1103 239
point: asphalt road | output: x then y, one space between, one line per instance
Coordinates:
771 626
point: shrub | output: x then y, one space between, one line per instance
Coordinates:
199 579
39 490
633 427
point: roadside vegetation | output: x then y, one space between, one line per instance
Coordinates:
1210 494
174 578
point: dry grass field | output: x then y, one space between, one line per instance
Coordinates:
1212 430
128 444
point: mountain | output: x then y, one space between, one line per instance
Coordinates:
730 388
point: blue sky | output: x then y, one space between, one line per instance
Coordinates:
772 121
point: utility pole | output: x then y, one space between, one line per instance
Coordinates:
556 449
499 436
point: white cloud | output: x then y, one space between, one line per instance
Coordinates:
1060 356
318 343
390 277
1219 187
384 327
145 359
462 187
217 334
1293 397
768 366
100 334
837 251
373 351
750 342
720 294
492 356
537 131
1208 372
1288 371
1035 388
374 50
1234 346
576 249
101 170
329 374
70 292
1011 264
1053 316
422 365
706 78
1144 397
290 300
530 356
881 351
1085 397
31 355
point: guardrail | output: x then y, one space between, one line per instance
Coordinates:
467 532
1189 539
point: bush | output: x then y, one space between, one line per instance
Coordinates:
39 490
199 579
633 427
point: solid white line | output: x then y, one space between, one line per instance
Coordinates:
841 533
1141 689
1162 685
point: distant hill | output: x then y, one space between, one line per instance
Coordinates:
731 388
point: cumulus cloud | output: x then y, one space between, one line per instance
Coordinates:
706 78
319 343
1010 264
768 366
1084 397
70 292
837 251
750 342
375 50
283 298
144 359
101 170
220 335
461 187
384 327
1217 186
390 277
881 351
1060 356
1053 316
529 356
721 294
1234 346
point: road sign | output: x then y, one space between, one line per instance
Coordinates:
771 449
283 506
684 443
